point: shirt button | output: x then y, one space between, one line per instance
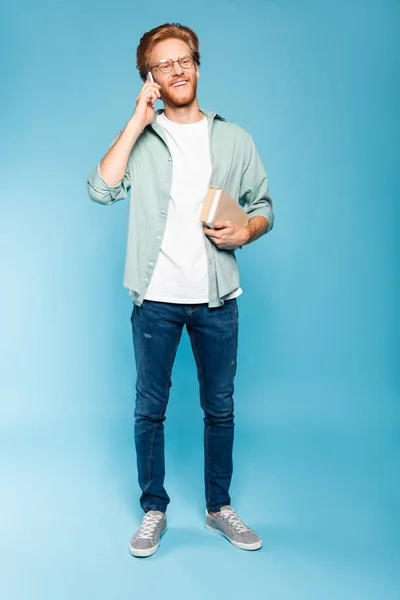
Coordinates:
151 264
163 212
159 237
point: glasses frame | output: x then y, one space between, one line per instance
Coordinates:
173 62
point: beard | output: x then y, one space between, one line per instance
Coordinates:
175 97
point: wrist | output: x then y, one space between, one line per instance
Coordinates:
247 234
135 125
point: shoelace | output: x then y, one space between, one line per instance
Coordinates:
233 518
148 526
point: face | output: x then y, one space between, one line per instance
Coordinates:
172 94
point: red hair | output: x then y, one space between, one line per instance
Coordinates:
159 34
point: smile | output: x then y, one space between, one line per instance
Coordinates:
179 83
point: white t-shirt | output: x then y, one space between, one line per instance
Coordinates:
180 273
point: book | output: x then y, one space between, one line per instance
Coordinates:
220 206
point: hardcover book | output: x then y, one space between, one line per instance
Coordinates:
220 206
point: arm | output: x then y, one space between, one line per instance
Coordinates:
255 198
254 194
114 164
111 179
229 236
257 226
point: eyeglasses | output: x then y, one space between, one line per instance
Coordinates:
167 64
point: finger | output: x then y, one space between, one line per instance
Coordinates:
222 224
149 96
149 86
216 240
156 92
151 83
155 87
224 233
212 234
149 93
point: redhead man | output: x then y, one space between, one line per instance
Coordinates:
179 272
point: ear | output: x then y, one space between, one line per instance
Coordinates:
197 71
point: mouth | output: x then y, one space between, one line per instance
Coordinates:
180 83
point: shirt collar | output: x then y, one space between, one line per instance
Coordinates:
210 115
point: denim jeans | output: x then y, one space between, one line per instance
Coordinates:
157 328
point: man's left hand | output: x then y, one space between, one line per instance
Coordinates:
227 235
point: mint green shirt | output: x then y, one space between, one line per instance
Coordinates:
236 166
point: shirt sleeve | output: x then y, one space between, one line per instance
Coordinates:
100 191
254 193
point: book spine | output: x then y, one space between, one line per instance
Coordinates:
206 205
213 208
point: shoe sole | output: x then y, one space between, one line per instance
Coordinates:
254 546
144 552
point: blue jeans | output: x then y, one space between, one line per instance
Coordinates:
157 329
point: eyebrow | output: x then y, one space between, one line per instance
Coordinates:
169 58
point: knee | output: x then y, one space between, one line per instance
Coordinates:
148 418
149 410
223 416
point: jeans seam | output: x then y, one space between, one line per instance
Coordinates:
166 388
150 456
155 507
156 425
206 425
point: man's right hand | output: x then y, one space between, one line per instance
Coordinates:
144 110
114 165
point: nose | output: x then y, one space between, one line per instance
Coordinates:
177 69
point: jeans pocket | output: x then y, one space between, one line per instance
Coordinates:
230 309
133 313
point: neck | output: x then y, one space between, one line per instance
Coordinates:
184 114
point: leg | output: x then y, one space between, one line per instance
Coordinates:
157 329
214 337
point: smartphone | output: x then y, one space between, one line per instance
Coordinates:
149 78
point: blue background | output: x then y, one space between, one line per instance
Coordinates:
317 390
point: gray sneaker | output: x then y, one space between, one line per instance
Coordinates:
229 524
147 538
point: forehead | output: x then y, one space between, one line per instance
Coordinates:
170 48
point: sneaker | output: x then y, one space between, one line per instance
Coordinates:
147 538
230 525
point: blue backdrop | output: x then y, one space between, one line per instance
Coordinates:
317 390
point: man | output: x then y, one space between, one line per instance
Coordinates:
180 273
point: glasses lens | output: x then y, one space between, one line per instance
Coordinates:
186 61
165 66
